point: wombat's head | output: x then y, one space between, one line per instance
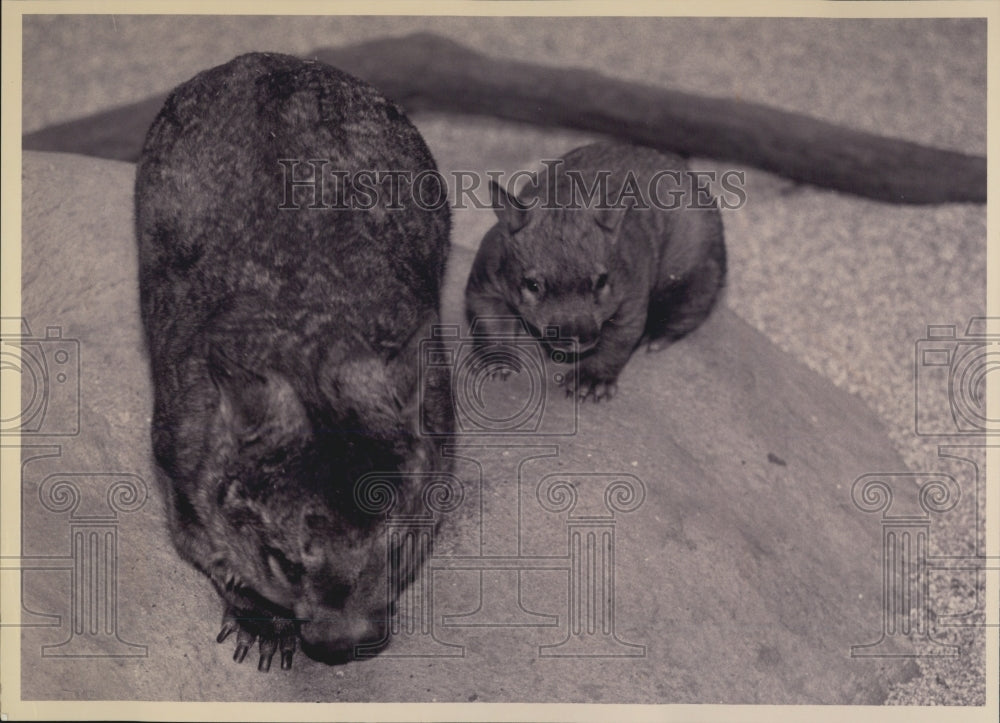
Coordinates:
286 534
560 265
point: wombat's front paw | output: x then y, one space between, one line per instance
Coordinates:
658 344
584 385
274 634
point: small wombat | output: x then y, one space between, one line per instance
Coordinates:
283 322
611 244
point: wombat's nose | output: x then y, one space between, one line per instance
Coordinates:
582 329
339 639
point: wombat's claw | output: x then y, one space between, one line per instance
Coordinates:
602 390
244 639
278 634
229 627
281 635
268 646
285 635
595 389
287 645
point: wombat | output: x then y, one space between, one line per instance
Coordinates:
283 320
612 244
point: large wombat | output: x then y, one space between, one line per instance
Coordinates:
611 244
283 320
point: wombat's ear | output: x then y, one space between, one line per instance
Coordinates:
610 218
255 405
363 386
508 210
315 530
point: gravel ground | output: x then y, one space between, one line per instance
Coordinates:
846 285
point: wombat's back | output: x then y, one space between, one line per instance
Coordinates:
223 213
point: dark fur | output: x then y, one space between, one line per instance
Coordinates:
284 345
608 278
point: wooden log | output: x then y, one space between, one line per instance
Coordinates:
428 72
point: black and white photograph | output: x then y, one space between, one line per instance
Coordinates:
493 360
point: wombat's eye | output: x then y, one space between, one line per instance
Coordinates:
601 282
531 285
281 567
